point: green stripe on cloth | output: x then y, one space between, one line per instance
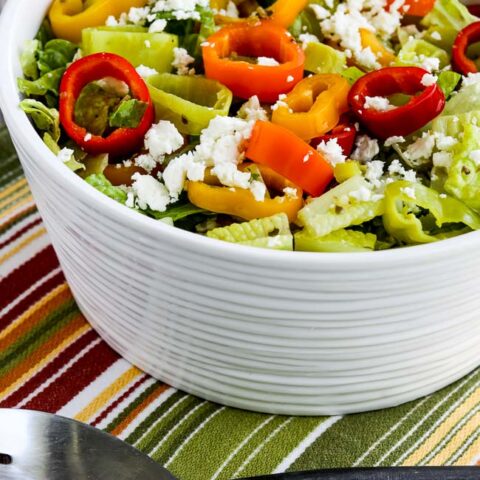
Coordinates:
36 337
386 430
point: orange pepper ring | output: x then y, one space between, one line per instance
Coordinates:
256 39
317 103
241 203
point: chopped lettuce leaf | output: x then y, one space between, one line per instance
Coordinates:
101 183
56 54
415 51
271 232
338 208
128 114
73 164
320 58
447 18
352 74
45 119
46 84
306 23
339 241
177 211
94 165
28 59
463 181
448 82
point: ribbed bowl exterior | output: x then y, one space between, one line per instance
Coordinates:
279 332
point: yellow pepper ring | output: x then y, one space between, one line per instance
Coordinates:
369 40
314 106
241 203
70 17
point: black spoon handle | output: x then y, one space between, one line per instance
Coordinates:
400 473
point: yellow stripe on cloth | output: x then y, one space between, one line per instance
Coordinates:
442 431
106 395
457 441
20 193
32 313
45 361
24 243
471 454
17 206
19 184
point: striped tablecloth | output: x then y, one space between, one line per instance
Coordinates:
52 360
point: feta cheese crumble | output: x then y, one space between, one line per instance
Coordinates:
158 26
150 193
65 155
332 151
163 139
395 140
146 72
267 62
181 62
428 80
366 149
380 104
252 110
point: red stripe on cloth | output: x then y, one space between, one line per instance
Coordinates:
81 374
117 402
50 369
26 275
21 232
31 299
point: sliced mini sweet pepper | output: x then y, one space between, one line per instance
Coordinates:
424 105
369 40
400 221
416 8
258 39
70 17
314 106
344 133
460 61
241 203
83 72
190 102
284 12
290 156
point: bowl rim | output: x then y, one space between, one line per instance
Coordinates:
24 133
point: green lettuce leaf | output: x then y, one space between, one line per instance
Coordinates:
43 86
339 241
28 59
447 18
45 119
177 211
352 74
102 184
128 114
56 54
463 180
271 232
448 82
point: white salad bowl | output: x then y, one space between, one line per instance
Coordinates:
280 332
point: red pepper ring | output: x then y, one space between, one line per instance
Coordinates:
254 39
399 121
121 141
344 133
466 37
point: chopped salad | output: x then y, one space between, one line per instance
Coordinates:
322 125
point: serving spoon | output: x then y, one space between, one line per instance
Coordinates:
41 446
